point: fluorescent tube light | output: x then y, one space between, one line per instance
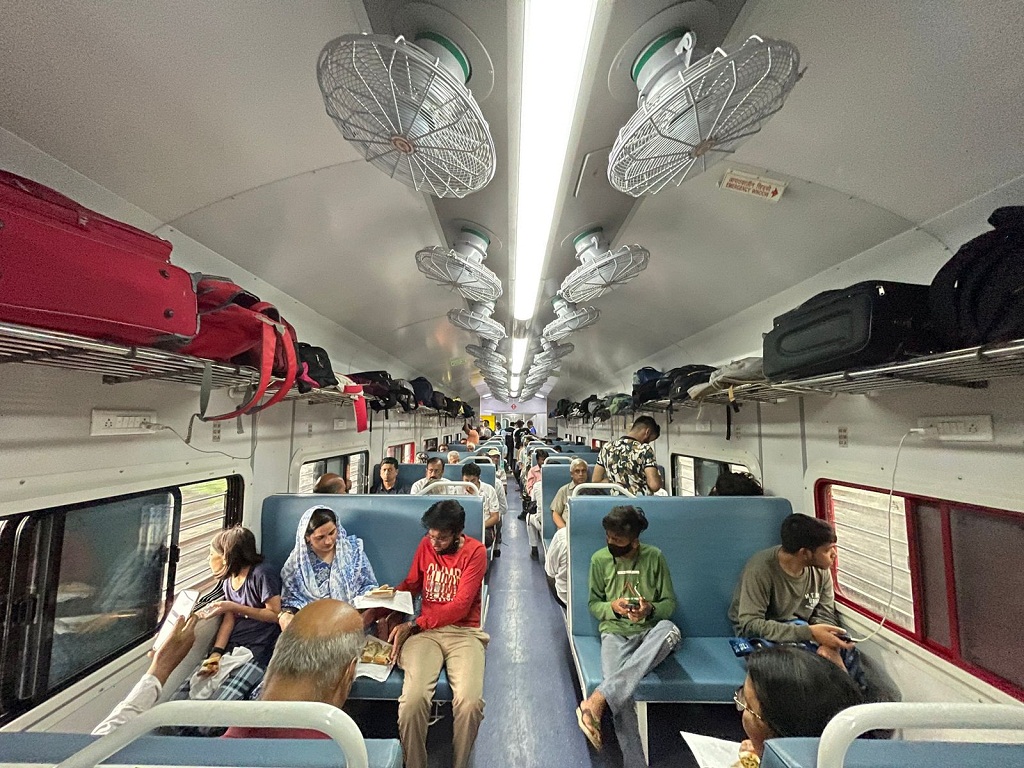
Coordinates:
555 41
515 382
518 354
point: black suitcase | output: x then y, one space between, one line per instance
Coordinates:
865 324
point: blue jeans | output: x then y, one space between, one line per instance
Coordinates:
625 660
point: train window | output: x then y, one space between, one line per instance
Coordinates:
404 452
88 581
952 574
352 466
597 445
430 444
581 440
696 476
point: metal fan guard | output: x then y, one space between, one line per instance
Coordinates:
593 279
408 116
452 270
560 327
703 115
484 352
474 322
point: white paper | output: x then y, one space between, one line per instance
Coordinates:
183 605
378 672
402 602
711 752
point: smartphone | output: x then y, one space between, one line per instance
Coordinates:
633 603
183 605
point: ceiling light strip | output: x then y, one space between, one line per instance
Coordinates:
555 42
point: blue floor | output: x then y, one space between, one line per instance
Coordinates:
530 684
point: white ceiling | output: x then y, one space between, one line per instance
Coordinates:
208 116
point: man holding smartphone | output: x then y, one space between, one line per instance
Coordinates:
631 595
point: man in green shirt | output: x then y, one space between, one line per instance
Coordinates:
792 583
631 595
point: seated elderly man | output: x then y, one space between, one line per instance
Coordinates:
448 571
435 471
492 504
314 660
329 482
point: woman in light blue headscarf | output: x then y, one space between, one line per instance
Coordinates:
326 562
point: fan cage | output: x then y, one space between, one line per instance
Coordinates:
451 269
567 323
476 322
407 114
702 115
594 278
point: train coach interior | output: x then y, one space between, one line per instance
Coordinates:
524 203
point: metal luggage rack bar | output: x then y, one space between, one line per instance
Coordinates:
971 368
116 363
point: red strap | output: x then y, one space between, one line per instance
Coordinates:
266 369
289 355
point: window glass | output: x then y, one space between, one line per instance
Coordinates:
84 583
863 572
430 444
696 476
928 526
111 571
985 548
351 466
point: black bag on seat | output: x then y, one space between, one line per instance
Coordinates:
865 324
977 297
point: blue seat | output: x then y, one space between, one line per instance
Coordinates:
553 477
390 529
706 542
454 472
867 753
30 748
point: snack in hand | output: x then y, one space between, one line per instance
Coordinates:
382 591
748 760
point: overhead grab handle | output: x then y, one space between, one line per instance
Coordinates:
442 486
259 714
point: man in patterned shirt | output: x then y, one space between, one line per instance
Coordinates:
629 460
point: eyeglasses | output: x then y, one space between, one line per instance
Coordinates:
741 705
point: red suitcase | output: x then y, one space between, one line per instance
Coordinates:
66 268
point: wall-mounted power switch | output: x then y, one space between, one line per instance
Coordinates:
965 429
106 423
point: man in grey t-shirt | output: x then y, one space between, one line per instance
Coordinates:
792 582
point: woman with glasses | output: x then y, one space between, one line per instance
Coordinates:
326 562
790 692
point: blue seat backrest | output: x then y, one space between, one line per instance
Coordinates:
588 456
388 525
454 472
460 447
410 473
553 477
706 542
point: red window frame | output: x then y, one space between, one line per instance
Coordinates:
824 510
404 452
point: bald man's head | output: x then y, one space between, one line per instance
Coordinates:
318 651
331 483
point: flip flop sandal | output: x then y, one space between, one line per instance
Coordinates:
585 720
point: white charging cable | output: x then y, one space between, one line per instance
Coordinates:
888 526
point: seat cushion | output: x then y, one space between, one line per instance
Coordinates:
701 669
51 748
391 689
867 753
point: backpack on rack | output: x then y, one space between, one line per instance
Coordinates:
585 409
423 390
619 403
468 411
645 375
315 370
686 377
453 406
977 297
438 400
404 395
562 408
236 327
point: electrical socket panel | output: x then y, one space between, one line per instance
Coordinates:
703 426
105 423
339 424
963 429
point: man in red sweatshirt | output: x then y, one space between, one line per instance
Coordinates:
448 571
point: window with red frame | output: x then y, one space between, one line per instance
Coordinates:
954 582
596 444
404 452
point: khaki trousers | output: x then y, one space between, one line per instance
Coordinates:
461 651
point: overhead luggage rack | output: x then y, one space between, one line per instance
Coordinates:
971 368
116 363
